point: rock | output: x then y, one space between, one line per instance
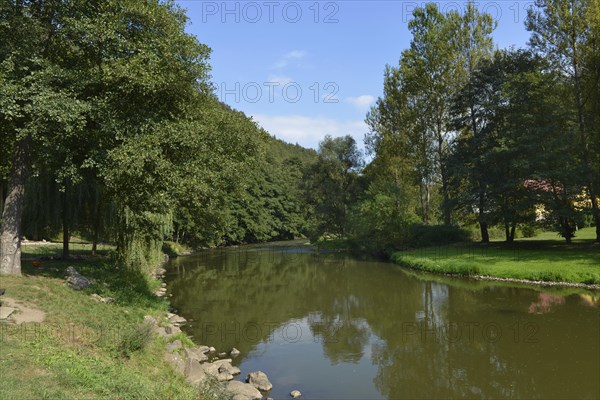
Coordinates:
225 366
222 355
234 352
170 315
150 320
176 361
163 285
259 380
172 330
211 369
237 388
174 346
6 311
77 281
195 354
240 397
211 349
223 361
233 370
224 377
177 320
194 372
101 299
295 394
204 349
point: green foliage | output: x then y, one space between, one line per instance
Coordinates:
382 221
173 249
134 339
332 184
431 235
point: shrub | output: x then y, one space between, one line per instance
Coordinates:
134 339
173 249
430 235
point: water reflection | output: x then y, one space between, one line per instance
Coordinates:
384 333
545 303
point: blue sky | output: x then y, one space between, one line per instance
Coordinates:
305 69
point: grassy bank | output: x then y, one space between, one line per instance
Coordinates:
84 348
542 258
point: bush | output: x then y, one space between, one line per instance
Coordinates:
173 249
134 339
528 231
431 235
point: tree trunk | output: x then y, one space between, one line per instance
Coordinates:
485 236
567 230
513 229
65 224
10 231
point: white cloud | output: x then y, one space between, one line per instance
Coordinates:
362 103
295 54
309 131
292 55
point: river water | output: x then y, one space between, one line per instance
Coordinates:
337 327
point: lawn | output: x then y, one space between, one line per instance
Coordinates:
542 258
84 348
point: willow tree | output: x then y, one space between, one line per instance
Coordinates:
90 86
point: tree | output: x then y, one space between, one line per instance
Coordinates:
413 118
92 86
332 183
566 32
522 143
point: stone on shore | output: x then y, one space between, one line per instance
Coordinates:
195 354
174 346
295 394
194 372
234 352
236 389
176 361
259 380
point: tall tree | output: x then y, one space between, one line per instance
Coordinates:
332 183
566 32
85 85
415 113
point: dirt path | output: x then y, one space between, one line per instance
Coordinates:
22 313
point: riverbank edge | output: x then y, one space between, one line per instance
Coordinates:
414 265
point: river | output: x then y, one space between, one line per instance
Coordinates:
337 327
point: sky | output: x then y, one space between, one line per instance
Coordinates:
305 69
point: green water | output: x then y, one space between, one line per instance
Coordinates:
335 327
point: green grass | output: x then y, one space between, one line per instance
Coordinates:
78 351
51 249
542 258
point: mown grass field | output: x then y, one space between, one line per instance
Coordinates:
84 349
545 257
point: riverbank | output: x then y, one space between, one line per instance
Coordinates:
540 261
90 343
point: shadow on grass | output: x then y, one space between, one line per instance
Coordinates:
126 287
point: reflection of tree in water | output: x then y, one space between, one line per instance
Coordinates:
342 333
